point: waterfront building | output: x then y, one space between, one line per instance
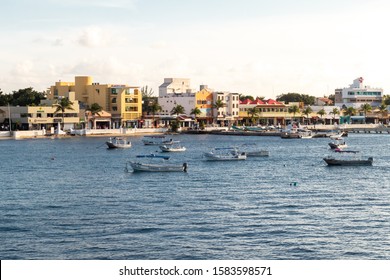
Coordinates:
204 102
122 102
229 113
358 94
177 91
42 116
270 112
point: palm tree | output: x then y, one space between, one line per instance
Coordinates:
95 109
350 111
218 105
64 104
196 111
307 111
154 108
383 110
366 108
321 113
335 112
253 113
293 110
178 110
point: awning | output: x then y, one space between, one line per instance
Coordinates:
358 117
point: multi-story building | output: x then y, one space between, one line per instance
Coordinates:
270 112
43 116
123 102
174 85
204 102
176 91
229 113
358 94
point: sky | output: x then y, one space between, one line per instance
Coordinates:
254 47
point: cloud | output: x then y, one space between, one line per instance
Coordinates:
92 37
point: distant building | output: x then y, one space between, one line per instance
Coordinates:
123 102
230 112
358 94
323 101
42 116
174 86
177 91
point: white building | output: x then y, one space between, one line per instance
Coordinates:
230 111
358 94
169 101
174 86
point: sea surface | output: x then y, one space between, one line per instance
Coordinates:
71 198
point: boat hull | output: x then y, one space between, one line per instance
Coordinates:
117 146
146 167
215 157
341 162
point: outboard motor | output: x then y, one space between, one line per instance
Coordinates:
185 166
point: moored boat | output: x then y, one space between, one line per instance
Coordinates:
173 148
225 154
337 143
348 158
118 142
161 166
158 140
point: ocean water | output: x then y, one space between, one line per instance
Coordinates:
72 199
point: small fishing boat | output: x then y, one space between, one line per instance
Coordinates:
225 154
118 142
173 148
348 158
153 165
158 140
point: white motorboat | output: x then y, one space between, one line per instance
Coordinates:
160 166
173 148
337 142
225 154
118 142
158 140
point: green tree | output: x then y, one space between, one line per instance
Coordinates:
294 109
26 97
253 113
296 97
365 108
384 112
95 109
178 110
386 99
155 108
4 99
147 99
61 106
321 113
196 111
350 111
307 111
335 112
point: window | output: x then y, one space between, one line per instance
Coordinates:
113 100
114 108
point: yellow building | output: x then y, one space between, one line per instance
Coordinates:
123 102
204 102
270 112
42 116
